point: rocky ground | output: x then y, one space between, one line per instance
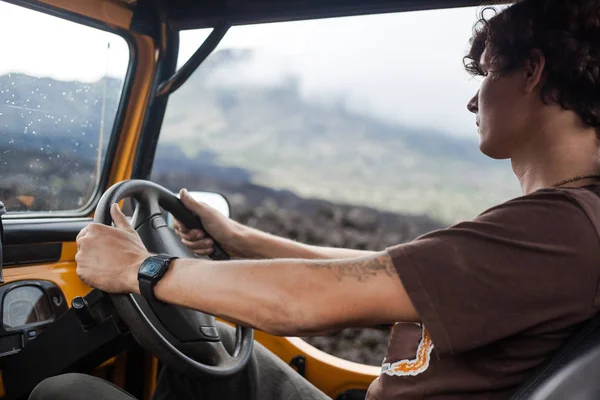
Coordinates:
362 345
327 224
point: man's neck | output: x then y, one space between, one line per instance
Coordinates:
556 156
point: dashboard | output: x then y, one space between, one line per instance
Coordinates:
28 307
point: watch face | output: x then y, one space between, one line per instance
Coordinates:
151 267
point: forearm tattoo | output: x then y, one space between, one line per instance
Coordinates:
361 269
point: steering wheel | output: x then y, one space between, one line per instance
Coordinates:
184 339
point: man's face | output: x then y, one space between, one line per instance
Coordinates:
501 110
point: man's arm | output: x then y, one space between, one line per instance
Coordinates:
282 296
259 244
290 297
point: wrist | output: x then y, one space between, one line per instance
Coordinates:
132 274
242 241
133 284
258 244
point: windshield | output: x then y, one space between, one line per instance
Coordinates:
367 110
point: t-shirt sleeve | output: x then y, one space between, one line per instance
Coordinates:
528 265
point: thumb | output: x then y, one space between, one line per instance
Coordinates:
191 204
119 218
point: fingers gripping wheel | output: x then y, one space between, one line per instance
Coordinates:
184 339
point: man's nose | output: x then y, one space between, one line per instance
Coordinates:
473 104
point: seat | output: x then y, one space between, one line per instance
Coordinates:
578 380
572 372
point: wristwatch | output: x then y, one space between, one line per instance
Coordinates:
151 271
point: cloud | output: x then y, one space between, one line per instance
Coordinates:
402 67
246 67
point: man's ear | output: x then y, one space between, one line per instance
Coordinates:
534 70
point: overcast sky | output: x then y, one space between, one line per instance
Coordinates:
404 67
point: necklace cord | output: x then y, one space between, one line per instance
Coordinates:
576 178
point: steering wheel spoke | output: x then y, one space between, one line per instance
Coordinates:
222 355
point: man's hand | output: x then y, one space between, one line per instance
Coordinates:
225 231
108 257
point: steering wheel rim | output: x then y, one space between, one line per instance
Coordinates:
183 339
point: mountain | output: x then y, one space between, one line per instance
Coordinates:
45 107
323 149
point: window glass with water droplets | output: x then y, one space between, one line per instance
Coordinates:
60 87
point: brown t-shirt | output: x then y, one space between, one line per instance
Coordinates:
495 295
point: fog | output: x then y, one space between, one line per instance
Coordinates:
402 67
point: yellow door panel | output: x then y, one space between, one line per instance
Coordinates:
61 273
331 374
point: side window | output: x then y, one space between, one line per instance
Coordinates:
60 87
348 132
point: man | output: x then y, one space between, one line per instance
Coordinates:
479 305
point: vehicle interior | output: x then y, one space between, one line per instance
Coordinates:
53 184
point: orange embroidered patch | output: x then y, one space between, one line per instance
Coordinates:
413 367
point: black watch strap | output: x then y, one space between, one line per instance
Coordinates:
146 282
147 288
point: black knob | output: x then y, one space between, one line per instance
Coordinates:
83 311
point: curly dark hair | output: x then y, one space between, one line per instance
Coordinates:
567 32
